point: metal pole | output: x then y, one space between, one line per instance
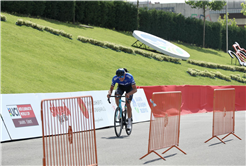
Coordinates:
226 26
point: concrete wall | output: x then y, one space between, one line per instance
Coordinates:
187 11
182 8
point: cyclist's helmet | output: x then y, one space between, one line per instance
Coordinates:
120 72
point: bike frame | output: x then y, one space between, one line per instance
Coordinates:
120 106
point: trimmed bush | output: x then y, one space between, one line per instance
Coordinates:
158 57
126 49
83 39
62 33
238 78
240 68
218 66
30 24
41 28
3 18
20 22
129 50
27 23
221 76
196 72
112 46
192 72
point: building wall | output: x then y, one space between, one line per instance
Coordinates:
234 10
182 8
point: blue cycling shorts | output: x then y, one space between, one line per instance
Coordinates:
124 88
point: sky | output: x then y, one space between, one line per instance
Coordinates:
162 1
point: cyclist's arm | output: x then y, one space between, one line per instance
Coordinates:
134 90
110 91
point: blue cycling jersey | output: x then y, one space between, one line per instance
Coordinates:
129 80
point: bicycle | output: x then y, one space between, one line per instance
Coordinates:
120 118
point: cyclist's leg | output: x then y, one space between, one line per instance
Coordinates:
119 92
129 113
128 104
129 109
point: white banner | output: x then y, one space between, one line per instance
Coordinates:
22 116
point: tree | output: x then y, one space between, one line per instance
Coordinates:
38 8
223 21
243 8
206 5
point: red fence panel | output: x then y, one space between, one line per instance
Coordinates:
68 130
198 98
164 121
223 113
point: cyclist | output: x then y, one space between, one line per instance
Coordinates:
126 84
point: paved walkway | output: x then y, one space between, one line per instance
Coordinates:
126 150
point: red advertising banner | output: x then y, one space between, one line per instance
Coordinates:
197 98
22 115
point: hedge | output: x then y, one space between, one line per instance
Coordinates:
196 72
129 50
41 28
217 66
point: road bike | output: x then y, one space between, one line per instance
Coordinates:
120 120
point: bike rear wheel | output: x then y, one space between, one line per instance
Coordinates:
118 122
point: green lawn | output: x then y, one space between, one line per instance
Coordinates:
33 61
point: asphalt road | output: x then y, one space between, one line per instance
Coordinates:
126 150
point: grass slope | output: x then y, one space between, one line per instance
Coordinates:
33 61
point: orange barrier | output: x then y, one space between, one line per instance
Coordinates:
223 113
164 122
68 130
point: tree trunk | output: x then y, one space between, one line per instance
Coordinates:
137 14
74 4
203 45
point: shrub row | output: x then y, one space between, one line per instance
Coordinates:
41 28
62 33
203 64
217 66
30 24
158 57
52 30
112 46
129 50
221 76
238 78
3 18
196 72
106 45
58 32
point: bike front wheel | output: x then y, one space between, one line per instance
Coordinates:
118 122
